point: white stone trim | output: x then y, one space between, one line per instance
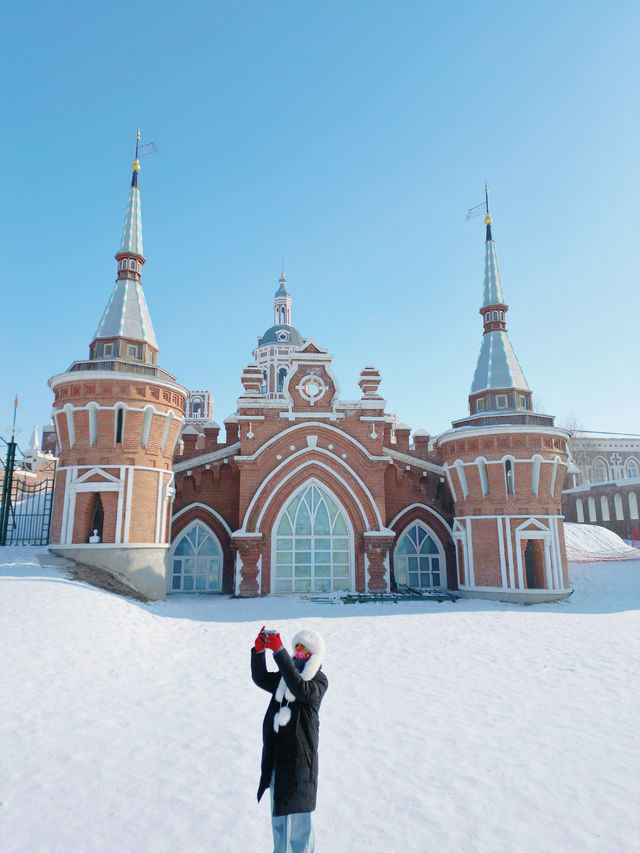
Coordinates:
460 433
116 376
450 482
127 506
306 465
421 506
208 509
287 432
503 563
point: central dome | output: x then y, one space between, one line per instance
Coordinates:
281 334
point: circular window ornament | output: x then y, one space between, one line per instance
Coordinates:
282 335
312 388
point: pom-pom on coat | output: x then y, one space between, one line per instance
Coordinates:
290 726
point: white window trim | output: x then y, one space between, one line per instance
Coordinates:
430 532
312 481
481 462
175 544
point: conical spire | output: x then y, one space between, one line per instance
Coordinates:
126 316
492 284
499 391
131 241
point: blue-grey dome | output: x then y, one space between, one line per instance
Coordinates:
281 334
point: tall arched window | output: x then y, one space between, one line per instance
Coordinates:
633 505
633 471
312 544
579 510
196 561
281 375
591 503
508 477
599 471
418 560
604 507
617 503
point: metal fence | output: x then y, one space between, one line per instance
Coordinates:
25 507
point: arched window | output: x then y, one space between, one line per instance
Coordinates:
418 560
508 477
599 471
196 561
495 315
281 375
617 503
263 389
592 510
119 425
579 510
633 470
604 507
633 505
132 264
312 544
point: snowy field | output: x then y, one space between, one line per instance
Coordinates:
473 726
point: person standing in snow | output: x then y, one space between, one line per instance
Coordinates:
290 734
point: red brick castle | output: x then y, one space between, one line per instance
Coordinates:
308 493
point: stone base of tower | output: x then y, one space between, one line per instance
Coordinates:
517 596
142 567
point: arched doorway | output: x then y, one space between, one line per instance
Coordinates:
196 561
419 558
313 543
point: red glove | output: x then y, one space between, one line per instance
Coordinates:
259 643
273 642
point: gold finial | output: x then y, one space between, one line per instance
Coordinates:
487 219
136 162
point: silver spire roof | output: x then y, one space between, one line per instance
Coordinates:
492 286
131 240
127 315
497 365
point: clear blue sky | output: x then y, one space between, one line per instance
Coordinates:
352 136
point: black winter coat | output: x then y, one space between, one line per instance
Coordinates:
293 750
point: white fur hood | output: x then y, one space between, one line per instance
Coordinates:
314 642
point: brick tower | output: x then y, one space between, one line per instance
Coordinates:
505 466
117 417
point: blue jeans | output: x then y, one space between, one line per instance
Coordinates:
292 833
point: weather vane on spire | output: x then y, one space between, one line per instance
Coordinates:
143 151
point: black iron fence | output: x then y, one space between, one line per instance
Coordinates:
26 500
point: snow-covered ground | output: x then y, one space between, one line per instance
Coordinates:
473 726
